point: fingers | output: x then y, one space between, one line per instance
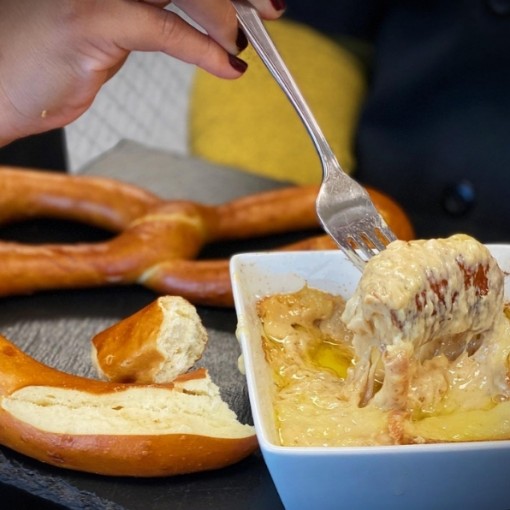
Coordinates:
145 27
209 40
158 3
269 9
218 18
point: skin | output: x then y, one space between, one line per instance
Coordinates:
56 54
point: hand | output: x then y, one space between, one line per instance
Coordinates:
56 54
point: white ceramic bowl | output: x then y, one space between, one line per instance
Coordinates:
412 477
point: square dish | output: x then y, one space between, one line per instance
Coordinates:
448 475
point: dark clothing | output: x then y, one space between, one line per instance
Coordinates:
46 151
435 128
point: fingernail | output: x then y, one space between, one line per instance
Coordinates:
279 5
237 63
241 41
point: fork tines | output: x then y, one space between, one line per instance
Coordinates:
362 243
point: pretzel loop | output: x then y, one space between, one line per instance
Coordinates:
157 241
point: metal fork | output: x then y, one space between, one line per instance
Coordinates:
344 208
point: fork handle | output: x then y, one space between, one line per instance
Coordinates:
261 41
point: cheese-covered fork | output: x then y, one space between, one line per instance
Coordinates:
344 207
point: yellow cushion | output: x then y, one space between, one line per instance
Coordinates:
249 124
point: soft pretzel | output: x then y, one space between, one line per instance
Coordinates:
157 241
112 428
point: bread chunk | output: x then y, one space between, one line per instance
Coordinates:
156 344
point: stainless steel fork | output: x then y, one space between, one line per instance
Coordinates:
343 206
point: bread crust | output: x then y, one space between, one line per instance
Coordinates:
134 456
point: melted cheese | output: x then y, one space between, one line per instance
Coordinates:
310 352
422 346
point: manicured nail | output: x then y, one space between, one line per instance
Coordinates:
237 63
241 41
279 5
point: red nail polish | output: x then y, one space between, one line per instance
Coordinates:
241 40
237 63
279 5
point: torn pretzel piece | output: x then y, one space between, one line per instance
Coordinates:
154 345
